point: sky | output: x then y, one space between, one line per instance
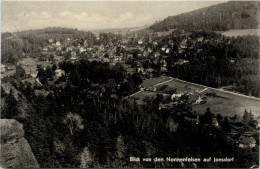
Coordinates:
90 15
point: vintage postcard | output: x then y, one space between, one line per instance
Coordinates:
130 84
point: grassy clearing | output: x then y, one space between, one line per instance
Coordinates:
242 32
181 86
225 104
229 105
153 81
165 33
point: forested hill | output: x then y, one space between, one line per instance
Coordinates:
32 41
224 16
50 32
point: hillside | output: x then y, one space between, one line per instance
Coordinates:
122 31
15 45
15 150
224 16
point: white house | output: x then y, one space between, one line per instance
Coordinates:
34 74
183 44
164 47
140 69
200 39
174 96
199 100
140 42
232 60
59 73
45 49
81 49
58 43
215 122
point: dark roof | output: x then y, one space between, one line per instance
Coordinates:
246 140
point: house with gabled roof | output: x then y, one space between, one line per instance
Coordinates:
58 43
181 62
45 49
59 73
246 142
140 42
183 44
164 47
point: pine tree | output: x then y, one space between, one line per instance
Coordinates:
3 94
120 151
86 159
246 118
11 106
49 73
251 116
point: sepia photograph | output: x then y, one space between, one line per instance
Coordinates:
130 84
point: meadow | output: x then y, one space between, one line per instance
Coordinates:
226 104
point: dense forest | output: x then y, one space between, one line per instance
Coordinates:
85 121
221 17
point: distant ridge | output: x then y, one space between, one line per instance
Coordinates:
220 17
119 30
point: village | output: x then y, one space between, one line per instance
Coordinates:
130 85
145 55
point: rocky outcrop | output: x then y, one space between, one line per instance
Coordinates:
15 150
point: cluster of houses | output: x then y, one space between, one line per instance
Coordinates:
133 47
7 67
247 142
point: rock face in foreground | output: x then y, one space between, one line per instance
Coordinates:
15 150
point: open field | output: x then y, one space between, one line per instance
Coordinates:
242 32
154 81
226 103
181 86
229 104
